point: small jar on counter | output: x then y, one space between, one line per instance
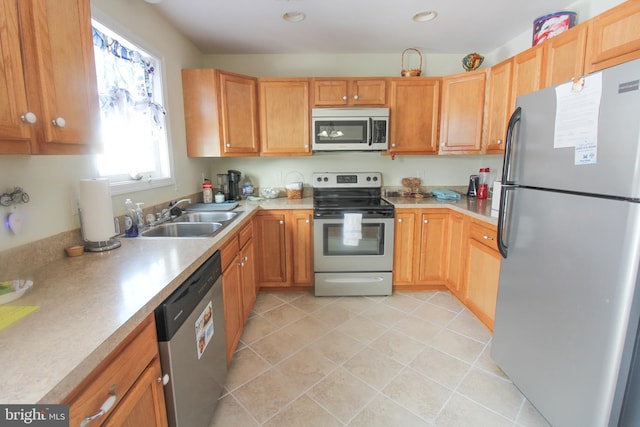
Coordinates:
207 191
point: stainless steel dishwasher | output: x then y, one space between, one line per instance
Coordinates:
190 325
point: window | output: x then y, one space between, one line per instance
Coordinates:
133 126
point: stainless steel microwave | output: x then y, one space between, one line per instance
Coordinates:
350 129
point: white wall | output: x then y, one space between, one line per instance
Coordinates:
52 181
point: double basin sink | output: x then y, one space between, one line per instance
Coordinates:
192 224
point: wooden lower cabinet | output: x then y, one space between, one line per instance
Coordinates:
133 375
483 272
420 248
456 236
238 285
284 242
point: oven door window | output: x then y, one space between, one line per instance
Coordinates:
341 131
372 242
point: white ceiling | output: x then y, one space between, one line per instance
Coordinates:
353 26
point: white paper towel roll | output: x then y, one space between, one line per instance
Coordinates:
96 210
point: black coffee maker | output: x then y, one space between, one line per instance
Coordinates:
234 185
474 182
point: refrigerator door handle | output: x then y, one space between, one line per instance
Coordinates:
508 148
502 218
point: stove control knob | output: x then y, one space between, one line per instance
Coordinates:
368 178
319 179
375 178
326 179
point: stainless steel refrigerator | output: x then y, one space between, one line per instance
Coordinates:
566 322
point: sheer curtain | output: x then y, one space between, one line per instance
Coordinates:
132 120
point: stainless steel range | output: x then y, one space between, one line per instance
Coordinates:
353 234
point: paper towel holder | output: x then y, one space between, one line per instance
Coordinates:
102 246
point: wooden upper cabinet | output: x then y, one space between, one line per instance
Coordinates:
614 37
284 117
527 71
414 106
48 70
349 92
564 55
15 134
60 75
462 113
221 113
499 106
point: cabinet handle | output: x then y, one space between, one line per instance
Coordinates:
426 221
163 379
241 264
485 237
356 97
28 117
399 219
344 98
59 122
103 410
281 222
393 145
245 258
306 221
499 142
228 145
306 145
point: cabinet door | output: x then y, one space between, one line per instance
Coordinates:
462 113
500 106
614 37
248 270
233 315
368 92
433 244
239 114
301 260
284 117
483 272
564 55
330 92
143 405
414 109
15 134
271 244
60 75
527 71
457 249
404 247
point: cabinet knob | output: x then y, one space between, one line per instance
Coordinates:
306 146
163 379
485 237
344 98
241 264
306 220
499 142
426 221
281 222
245 258
103 410
28 117
59 122
355 97
399 219
393 145
228 145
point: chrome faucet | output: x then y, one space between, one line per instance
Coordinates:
175 210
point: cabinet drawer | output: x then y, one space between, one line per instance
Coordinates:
115 375
229 251
486 235
245 234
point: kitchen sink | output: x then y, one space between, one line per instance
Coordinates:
183 229
205 217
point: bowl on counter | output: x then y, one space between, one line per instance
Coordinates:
269 192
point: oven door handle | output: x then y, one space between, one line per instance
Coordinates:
354 279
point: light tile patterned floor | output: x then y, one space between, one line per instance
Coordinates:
411 359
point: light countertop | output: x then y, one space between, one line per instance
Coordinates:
89 304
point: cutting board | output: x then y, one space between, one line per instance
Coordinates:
226 206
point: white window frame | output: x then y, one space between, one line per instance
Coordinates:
146 183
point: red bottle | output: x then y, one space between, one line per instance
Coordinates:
483 188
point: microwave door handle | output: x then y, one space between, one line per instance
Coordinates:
370 132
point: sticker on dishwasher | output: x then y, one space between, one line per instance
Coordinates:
204 329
